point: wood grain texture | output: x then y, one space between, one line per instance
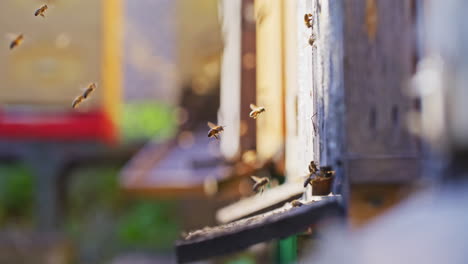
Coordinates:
270 138
376 69
248 129
230 95
235 236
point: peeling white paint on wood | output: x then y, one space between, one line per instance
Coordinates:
229 112
314 87
304 150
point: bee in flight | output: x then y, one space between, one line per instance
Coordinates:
215 130
41 11
89 90
313 169
308 20
260 183
77 101
256 111
17 41
80 98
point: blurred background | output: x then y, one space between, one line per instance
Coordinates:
59 174
374 89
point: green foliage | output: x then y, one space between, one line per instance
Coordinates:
243 259
98 211
149 224
16 191
147 120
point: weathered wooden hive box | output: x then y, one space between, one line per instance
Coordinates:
76 43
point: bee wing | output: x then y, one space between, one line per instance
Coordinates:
255 178
87 91
211 125
13 36
253 107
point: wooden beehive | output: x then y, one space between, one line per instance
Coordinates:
78 42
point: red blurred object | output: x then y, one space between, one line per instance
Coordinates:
75 126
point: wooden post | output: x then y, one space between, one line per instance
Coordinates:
379 56
229 112
248 76
270 79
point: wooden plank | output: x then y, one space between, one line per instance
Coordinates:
280 223
180 167
270 199
378 61
248 77
230 95
291 59
385 170
270 93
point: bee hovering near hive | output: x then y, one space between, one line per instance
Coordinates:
80 98
77 101
313 169
41 11
89 90
256 111
215 130
260 183
308 20
17 41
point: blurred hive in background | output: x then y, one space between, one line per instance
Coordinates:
62 53
180 48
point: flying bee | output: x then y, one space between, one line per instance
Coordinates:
256 111
80 98
260 183
89 90
296 203
308 20
77 101
41 11
215 130
17 41
313 168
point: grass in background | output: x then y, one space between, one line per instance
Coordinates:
147 120
16 195
104 222
100 219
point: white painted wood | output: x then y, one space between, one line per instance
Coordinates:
291 83
304 152
229 112
270 138
314 86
